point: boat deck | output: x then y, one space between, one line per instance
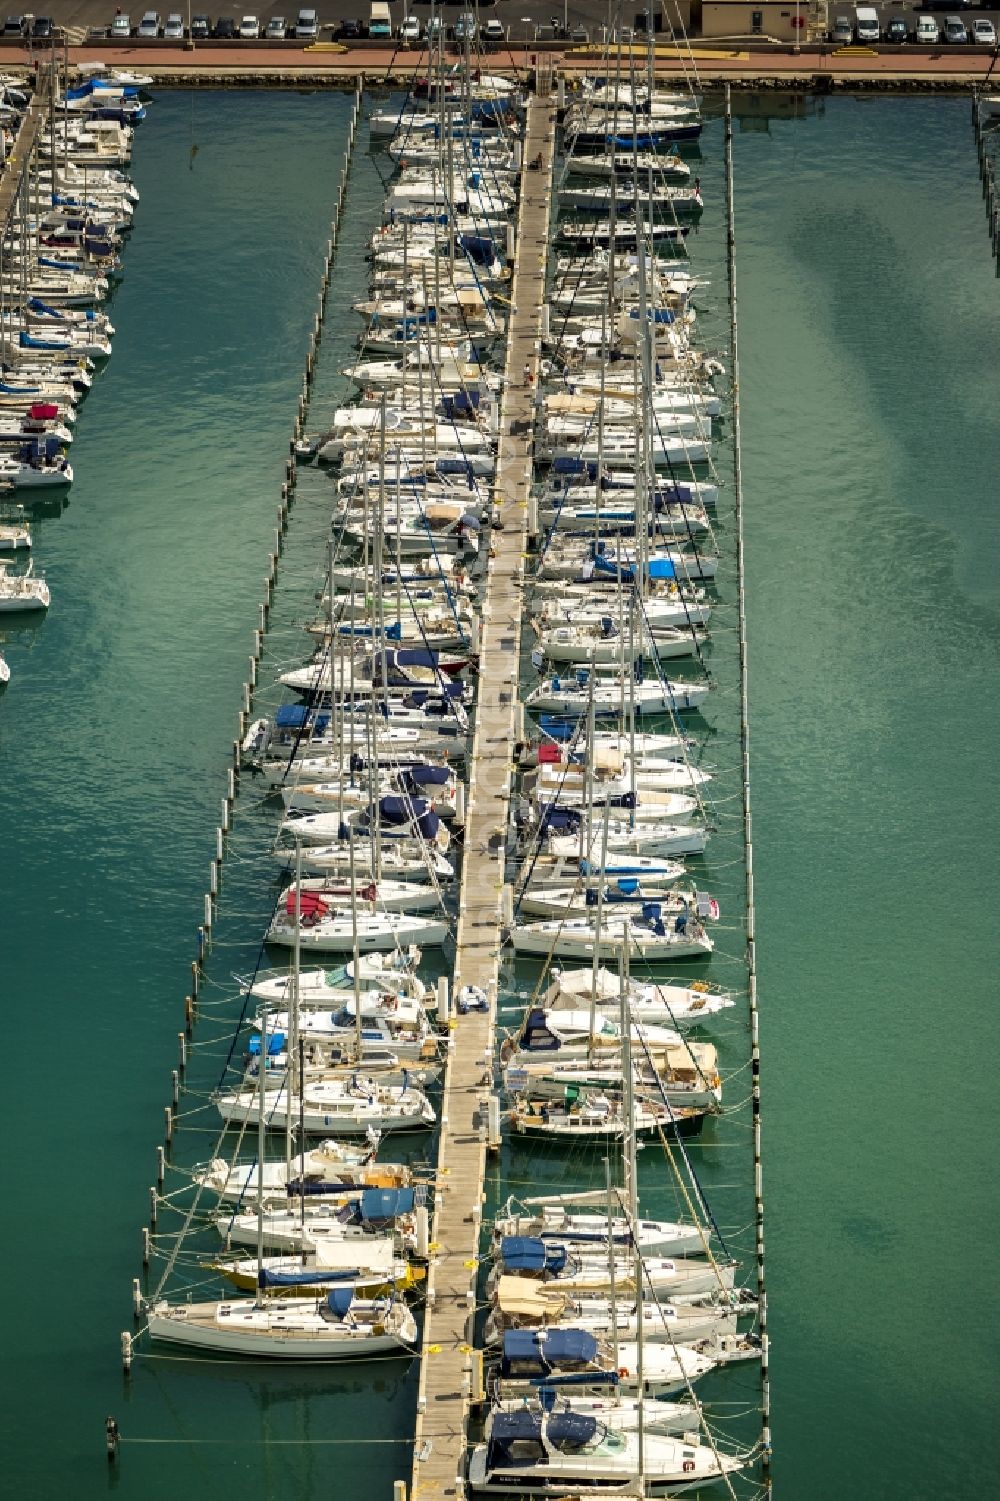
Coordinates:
445 1376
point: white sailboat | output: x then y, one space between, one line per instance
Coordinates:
351 1106
333 1326
22 591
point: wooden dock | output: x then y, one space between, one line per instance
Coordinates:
446 1375
21 153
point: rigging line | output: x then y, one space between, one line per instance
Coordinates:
269 1441
689 1165
641 1297
308 719
241 1020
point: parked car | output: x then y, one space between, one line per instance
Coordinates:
249 29
954 31
149 26
277 28
409 31
493 30
896 30
435 26
307 26
465 27
173 28
41 29
224 29
928 32
984 33
842 34
350 31
13 26
201 28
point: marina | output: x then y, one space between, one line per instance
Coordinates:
474 992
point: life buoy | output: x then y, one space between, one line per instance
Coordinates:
623 1370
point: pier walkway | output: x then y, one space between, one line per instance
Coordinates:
446 1375
21 153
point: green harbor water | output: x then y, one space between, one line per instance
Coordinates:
868 323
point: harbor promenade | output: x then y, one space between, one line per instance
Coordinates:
214 64
447 1377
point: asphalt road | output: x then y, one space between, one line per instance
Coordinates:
523 18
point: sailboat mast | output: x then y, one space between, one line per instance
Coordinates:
633 1190
355 951
296 1053
261 1075
291 1050
611 1262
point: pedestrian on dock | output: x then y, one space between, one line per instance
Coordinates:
527 375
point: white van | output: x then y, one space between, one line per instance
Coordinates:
928 32
866 27
307 26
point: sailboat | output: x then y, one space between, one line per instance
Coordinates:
330 1325
535 1452
333 1326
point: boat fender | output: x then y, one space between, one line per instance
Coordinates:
623 1370
688 1466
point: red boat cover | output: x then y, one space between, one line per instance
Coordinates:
312 905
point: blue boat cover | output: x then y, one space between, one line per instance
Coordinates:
428 776
489 109
478 248
291 717
608 565
661 568
298 1189
523 1424
415 656
339 1301
400 810
460 401
38 306
27 342
386 1203
654 315
267 1278
275 1044
556 727
526 1253
561 820
42 448
549 1347
428 824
